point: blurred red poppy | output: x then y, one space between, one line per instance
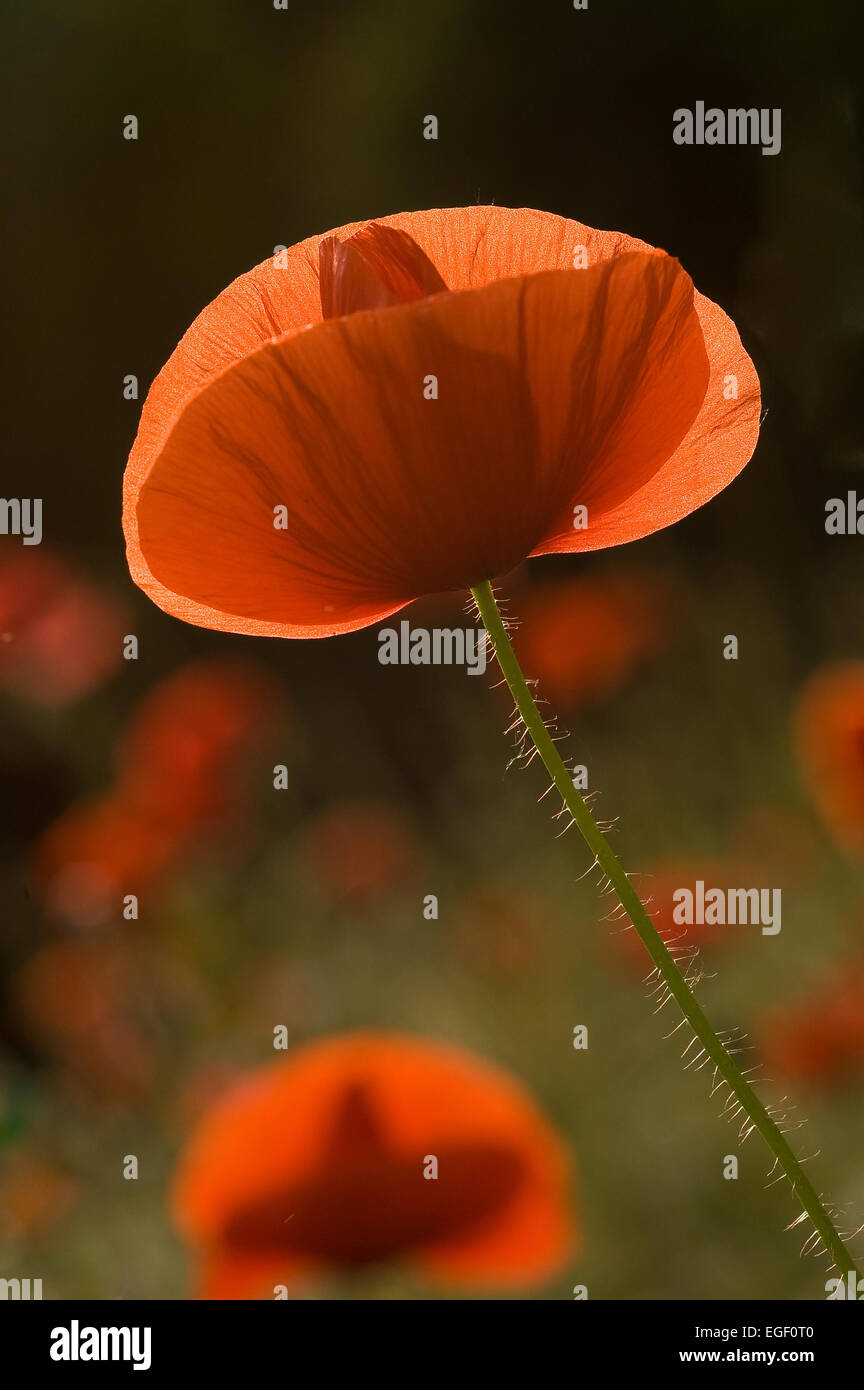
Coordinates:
779 839
657 890
328 1160
358 849
417 404
60 636
183 754
108 1014
820 1039
499 927
179 771
98 852
582 638
829 728
75 1000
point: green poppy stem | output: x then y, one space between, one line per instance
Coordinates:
725 1066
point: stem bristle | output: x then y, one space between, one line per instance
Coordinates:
535 734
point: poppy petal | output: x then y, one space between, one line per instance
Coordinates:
470 248
713 452
375 267
265 1195
229 1274
552 389
829 730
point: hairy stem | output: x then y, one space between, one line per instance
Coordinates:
666 966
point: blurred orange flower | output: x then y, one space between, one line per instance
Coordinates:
822 1038
781 840
581 638
60 635
107 1014
418 404
76 1001
829 729
499 927
358 849
183 754
97 853
657 890
179 768
328 1159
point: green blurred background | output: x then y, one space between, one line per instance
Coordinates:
260 127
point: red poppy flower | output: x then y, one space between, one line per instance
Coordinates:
359 849
78 1002
108 1013
830 738
60 636
178 768
822 1038
96 853
780 840
181 755
658 889
319 1162
582 637
416 405
500 927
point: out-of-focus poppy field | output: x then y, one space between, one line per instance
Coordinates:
278 918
